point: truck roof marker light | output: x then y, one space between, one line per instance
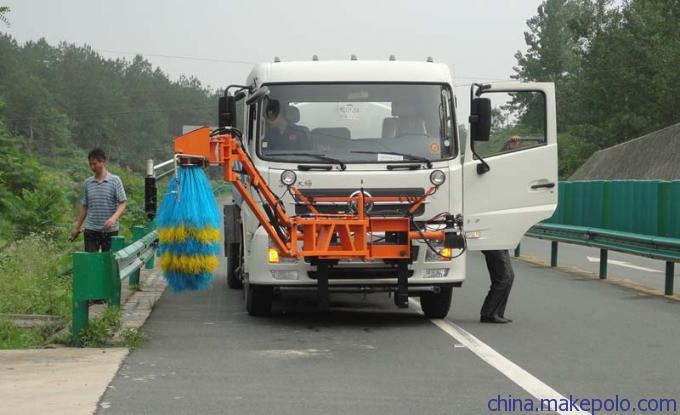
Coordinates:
273 256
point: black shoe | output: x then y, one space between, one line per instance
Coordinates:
493 319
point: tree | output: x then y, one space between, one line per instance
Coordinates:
3 14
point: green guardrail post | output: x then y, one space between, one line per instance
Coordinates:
670 271
150 227
553 254
138 232
95 277
117 243
517 250
603 263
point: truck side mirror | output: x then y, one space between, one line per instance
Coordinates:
480 119
226 107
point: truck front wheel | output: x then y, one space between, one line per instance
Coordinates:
436 305
259 299
233 264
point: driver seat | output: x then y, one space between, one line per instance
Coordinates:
407 120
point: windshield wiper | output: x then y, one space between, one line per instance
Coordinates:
318 156
427 162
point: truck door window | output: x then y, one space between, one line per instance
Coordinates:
518 122
240 114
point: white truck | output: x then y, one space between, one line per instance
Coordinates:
388 128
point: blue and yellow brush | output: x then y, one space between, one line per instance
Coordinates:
188 224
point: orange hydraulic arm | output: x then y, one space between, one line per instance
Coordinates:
324 236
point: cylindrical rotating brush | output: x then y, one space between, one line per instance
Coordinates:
188 222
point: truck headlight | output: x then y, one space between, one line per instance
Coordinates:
437 178
288 177
445 253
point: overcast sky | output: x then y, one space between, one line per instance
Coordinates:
478 39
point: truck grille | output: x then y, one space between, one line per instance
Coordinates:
379 208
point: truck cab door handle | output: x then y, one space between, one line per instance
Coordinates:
543 186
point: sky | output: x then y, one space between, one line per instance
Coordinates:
477 39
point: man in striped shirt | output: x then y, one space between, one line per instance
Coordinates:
102 203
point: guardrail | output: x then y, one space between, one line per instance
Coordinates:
639 217
657 247
98 275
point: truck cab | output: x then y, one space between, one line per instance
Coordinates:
388 128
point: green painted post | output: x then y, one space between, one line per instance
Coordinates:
138 232
603 263
670 270
517 251
553 254
117 243
95 277
79 318
150 227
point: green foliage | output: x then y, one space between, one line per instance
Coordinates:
30 198
68 94
614 67
12 337
102 328
3 14
35 277
132 338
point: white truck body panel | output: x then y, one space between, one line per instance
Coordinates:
499 205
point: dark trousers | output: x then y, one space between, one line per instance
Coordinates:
96 240
502 276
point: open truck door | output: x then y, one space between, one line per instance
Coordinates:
510 167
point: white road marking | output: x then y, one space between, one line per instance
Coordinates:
623 264
525 380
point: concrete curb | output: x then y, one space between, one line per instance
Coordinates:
70 380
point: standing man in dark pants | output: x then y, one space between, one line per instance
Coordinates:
502 276
102 203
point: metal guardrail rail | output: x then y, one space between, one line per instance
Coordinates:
98 275
663 248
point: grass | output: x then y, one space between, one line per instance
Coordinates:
101 329
12 337
35 278
132 338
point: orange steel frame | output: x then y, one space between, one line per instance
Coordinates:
316 230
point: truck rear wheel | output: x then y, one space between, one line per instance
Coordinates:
259 299
233 263
436 305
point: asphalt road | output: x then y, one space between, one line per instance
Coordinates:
571 335
647 272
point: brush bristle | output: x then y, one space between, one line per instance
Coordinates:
189 237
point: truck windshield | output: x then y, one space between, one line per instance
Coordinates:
357 123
